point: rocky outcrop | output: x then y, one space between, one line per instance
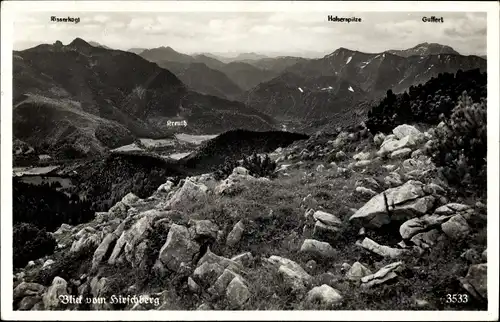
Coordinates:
178 249
189 192
235 234
51 299
294 276
407 201
476 281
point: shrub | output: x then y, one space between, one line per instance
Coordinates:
30 243
259 166
460 145
222 171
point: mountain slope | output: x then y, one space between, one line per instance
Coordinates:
94 98
200 78
351 77
165 54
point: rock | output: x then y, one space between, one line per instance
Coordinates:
357 271
224 262
381 250
47 263
189 193
326 218
406 201
65 228
378 139
102 249
417 153
401 153
27 289
427 239
203 229
391 145
311 265
235 235
179 248
383 275
166 187
320 168
456 228
119 210
87 241
237 293
317 248
321 230
244 259
324 294
476 281
484 255
30 264
207 273
404 130
129 239
361 164
471 255
129 199
29 302
416 225
451 208
368 182
362 191
361 156
421 303
240 171
193 287
393 180
339 156
51 298
389 167
345 267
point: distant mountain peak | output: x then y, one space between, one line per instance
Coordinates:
79 42
424 49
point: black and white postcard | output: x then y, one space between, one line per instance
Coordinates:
253 160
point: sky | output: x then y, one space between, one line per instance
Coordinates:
307 34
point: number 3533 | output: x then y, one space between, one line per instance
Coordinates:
456 298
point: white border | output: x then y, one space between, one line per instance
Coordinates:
8 9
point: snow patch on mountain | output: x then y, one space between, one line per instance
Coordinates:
348 60
350 88
300 89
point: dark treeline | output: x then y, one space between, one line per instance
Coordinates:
428 103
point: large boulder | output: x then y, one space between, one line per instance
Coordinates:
403 130
404 202
417 225
456 228
237 293
189 192
58 288
235 234
179 248
27 289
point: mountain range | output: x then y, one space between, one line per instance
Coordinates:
89 98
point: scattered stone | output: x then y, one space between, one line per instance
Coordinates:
383 275
484 255
326 218
357 271
235 235
361 164
51 299
240 171
321 230
324 294
381 250
30 264
389 167
27 289
416 225
365 192
129 199
471 255
47 263
223 281
166 187
361 156
189 193
416 154
244 259
320 168
403 130
476 282
393 180
340 156
29 302
378 139
456 228
401 153
422 303
204 307
317 248
237 293
207 273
